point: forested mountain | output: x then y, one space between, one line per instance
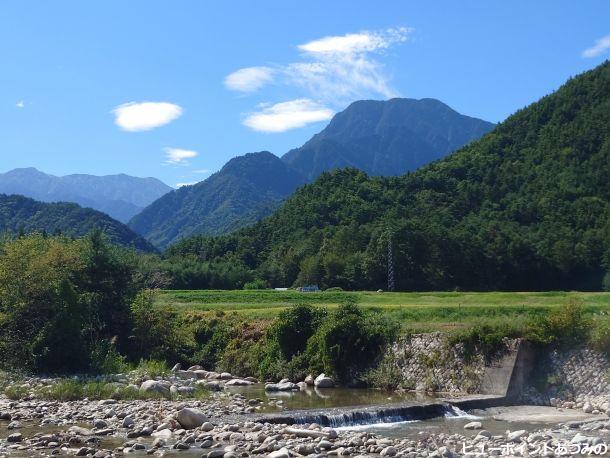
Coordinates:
120 196
527 207
379 137
20 214
386 137
245 190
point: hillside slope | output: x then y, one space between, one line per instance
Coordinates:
245 190
22 214
527 207
120 196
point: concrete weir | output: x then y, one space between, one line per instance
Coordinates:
502 383
364 415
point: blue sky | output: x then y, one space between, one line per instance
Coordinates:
175 89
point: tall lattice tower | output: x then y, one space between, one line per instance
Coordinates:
390 263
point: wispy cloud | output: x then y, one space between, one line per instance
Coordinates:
287 115
20 104
139 116
600 47
333 70
178 156
249 79
201 171
356 43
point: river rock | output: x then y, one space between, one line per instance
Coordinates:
484 433
15 437
153 386
191 418
239 382
322 381
309 380
128 422
388 451
176 367
473 425
516 436
281 453
285 386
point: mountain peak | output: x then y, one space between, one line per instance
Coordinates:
388 137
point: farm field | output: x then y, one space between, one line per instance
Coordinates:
428 310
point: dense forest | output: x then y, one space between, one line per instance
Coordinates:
22 215
527 207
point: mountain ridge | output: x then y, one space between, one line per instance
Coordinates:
23 214
120 196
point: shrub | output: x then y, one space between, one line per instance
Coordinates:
483 337
600 334
151 368
565 327
294 327
16 392
158 333
256 284
387 375
106 360
349 342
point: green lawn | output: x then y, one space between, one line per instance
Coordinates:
431 310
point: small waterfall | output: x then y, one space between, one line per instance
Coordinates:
367 416
456 412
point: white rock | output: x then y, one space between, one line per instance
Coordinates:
516 436
322 381
473 425
281 453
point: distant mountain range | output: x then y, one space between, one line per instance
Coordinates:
120 196
378 137
22 214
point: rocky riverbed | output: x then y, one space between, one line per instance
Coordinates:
223 425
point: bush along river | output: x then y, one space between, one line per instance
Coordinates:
194 412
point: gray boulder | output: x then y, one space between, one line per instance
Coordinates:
191 418
154 386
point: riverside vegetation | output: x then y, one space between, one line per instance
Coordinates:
91 300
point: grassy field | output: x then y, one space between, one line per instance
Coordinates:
429 310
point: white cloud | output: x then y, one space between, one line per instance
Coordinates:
249 79
134 117
600 47
341 68
20 104
333 70
353 43
287 115
190 183
178 156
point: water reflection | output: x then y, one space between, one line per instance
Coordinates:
320 398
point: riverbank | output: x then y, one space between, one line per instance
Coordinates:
223 426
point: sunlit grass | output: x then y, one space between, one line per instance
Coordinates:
421 310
